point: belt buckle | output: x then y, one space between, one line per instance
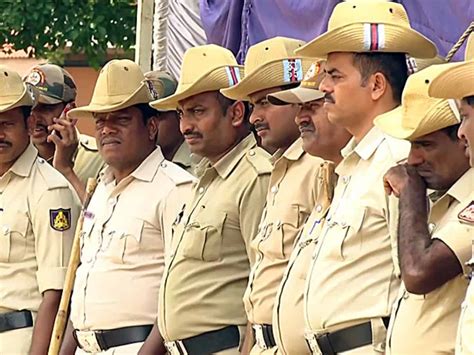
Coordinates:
259 338
312 343
324 344
175 348
87 341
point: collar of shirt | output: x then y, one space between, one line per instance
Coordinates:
24 163
228 162
146 171
294 152
463 187
367 146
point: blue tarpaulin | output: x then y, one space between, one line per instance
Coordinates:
238 24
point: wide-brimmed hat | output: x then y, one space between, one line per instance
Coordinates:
120 84
369 26
454 80
13 91
205 68
419 113
162 82
307 91
269 64
53 83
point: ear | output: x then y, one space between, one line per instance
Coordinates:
237 113
379 86
152 127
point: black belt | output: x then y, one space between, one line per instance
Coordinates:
15 320
213 341
111 338
347 339
267 334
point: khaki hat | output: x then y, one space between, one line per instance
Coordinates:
419 113
469 52
269 64
53 83
13 91
205 68
164 84
454 81
307 91
369 26
120 84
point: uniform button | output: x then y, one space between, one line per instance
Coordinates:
251 152
201 190
431 227
111 201
41 160
343 224
274 189
345 179
319 208
163 165
6 230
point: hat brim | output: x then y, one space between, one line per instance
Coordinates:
297 95
456 81
350 38
266 76
436 117
213 80
48 100
140 96
24 100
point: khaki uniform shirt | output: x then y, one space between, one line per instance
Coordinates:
208 269
87 162
353 278
427 323
122 251
288 319
291 196
183 158
465 340
38 214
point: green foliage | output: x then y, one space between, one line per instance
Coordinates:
45 27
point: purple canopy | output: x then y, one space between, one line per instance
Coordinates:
238 24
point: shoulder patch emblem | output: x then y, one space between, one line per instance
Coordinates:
467 214
60 219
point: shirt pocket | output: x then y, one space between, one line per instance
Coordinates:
13 237
345 238
281 234
122 242
87 247
203 238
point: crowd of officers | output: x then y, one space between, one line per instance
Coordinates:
293 205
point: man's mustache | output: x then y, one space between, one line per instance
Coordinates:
329 98
7 143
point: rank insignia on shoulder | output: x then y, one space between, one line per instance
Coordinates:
60 219
467 214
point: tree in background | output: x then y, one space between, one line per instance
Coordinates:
45 28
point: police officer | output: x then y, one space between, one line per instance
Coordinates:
433 246
322 139
114 306
455 81
57 139
271 66
200 304
353 277
38 213
170 139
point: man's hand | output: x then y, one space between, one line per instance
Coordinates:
402 177
64 136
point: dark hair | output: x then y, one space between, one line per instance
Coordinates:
224 102
392 65
147 112
469 100
452 131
